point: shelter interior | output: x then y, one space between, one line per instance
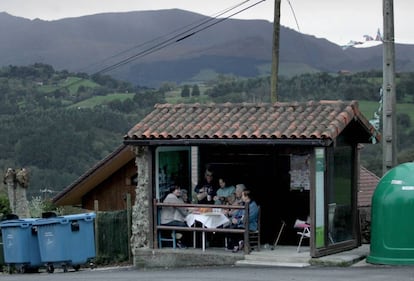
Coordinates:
265 170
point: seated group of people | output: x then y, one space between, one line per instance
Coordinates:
206 193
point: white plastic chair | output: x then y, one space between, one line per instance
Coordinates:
305 233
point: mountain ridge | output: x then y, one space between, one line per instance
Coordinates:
90 43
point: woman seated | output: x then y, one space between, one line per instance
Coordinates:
223 192
235 241
174 216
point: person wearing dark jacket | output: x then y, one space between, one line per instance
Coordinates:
206 190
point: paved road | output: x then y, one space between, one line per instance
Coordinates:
370 273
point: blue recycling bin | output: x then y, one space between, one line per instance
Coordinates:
66 240
1 252
20 246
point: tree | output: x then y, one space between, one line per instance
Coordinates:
195 92
167 86
185 92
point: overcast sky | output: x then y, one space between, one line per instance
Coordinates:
339 21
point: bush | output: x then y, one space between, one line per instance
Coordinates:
4 206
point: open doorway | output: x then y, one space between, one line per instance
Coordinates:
267 173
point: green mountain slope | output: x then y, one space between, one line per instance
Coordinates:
59 124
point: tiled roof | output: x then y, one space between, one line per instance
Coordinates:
296 120
367 183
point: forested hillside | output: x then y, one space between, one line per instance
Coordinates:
59 124
49 127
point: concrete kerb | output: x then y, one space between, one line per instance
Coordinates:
169 258
150 258
343 259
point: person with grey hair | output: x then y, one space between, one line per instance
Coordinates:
235 241
236 200
239 190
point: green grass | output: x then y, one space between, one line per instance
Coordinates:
99 100
369 107
71 83
174 96
205 75
406 108
294 69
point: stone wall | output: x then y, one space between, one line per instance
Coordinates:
140 210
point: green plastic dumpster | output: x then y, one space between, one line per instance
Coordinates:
392 215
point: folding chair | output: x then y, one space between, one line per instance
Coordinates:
305 233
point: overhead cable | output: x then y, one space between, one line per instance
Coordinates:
181 36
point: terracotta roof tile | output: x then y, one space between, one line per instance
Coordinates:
303 120
367 184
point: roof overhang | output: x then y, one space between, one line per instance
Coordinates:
72 195
227 142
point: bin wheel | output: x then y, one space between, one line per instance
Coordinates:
76 267
10 269
50 268
21 269
92 265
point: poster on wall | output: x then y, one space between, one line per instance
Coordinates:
299 172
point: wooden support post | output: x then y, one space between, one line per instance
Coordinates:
129 224
96 208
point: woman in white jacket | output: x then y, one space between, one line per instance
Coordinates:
174 215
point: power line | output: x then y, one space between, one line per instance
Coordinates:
199 27
301 35
194 24
181 36
294 15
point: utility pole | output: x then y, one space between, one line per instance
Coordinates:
389 115
275 53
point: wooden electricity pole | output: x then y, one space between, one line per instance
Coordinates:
389 115
275 53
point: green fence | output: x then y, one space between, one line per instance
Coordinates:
112 237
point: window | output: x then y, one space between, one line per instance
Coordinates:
172 168
340 198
